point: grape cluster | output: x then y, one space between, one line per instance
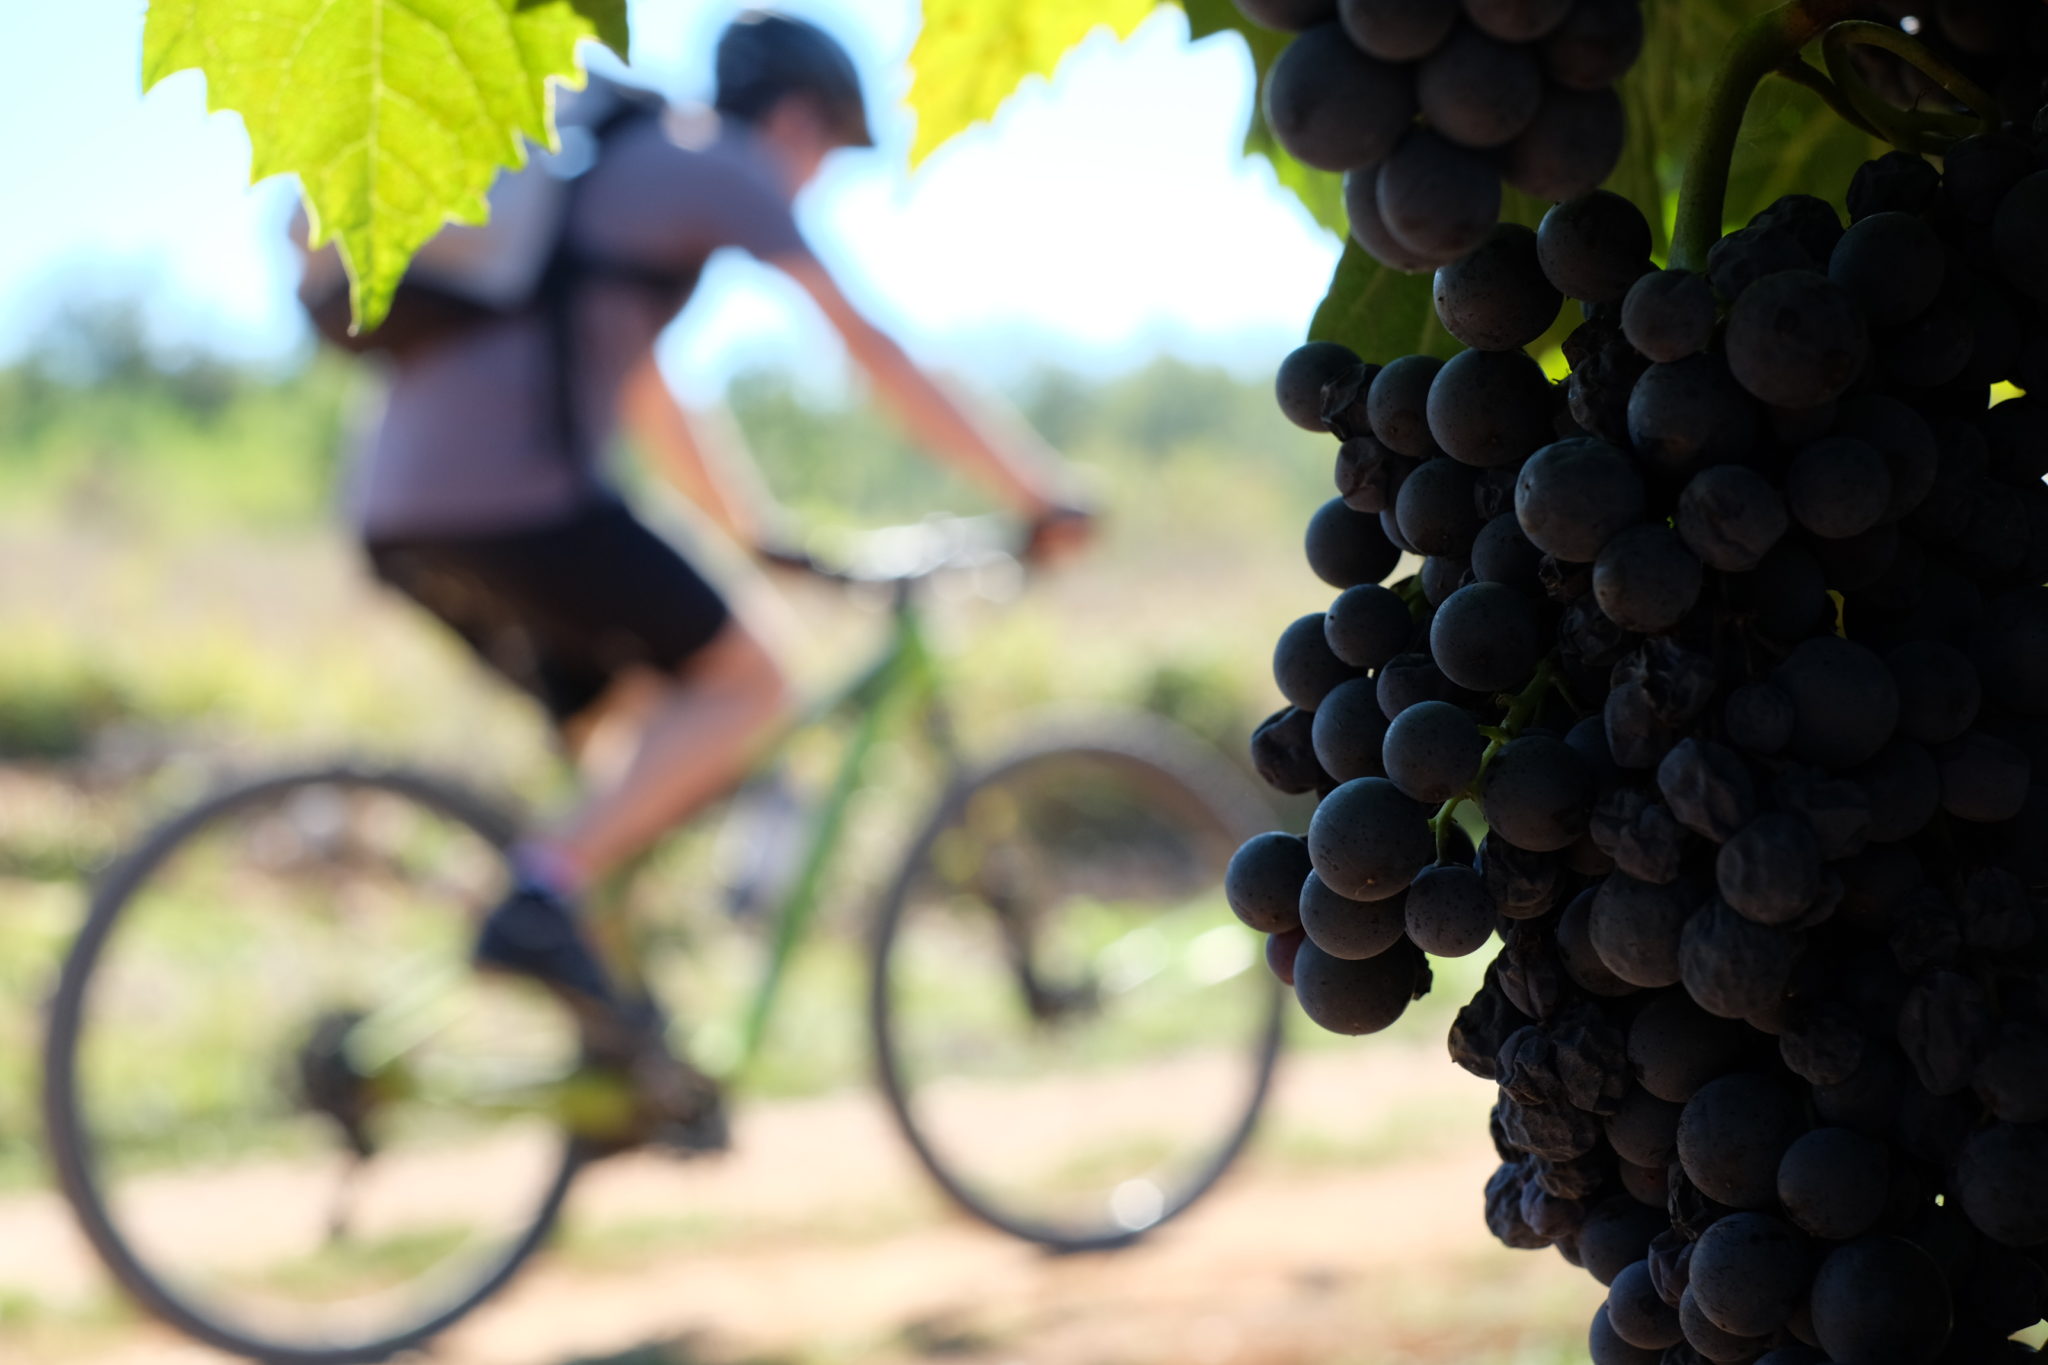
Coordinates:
1736 643
1427 106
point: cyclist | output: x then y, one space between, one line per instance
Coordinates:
481 499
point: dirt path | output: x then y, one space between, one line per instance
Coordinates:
1352 1234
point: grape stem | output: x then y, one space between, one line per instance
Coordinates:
1913 129
1522 709
1762 46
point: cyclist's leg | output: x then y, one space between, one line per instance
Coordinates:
658 747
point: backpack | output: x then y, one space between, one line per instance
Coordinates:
515 262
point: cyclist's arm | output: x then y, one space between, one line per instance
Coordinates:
1014 464
689 456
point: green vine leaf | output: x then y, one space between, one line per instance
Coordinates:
396 115
971 55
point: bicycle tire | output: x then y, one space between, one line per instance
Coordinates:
1180 768
69 1142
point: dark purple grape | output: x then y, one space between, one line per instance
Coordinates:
1346 548
1595 45
1669 314
1689 414
1367 841
1731 517
1407 679
1983 779
1606 1346
1490 408
1807 219
1518 21
2019 236
1486 637
1759 718
1939 691
1369 227
1477 90
1749 1272
1501 553
1435 508
1733 1135
1368 625
1399 30
1769 871
1497 297
1358 997
1438 199
1733 966
1303 666
1895 182
1397 405
1263 881
1708 788
1302 377
1283 753
1636 927
1290 16
1449 913
1594 247
1833 1183
1333 107
1709 1342
1796 339
1522 883
1573 496
1342 927
1644 1129
1844 701
1880 1299
1432 751
1638 1315
1891 264
1572 145
1349 730
1838 487
1646 580
1537 794
1368 475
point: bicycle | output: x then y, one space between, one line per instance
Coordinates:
374 1139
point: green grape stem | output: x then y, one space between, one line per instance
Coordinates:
1522 708
1763 45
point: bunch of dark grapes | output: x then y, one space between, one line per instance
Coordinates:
1427 106
1735 643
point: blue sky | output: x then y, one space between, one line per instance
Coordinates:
1104 218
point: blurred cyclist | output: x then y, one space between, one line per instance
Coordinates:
482 497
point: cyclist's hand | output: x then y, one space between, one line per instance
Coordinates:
1059 533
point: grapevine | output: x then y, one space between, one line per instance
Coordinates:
1735 639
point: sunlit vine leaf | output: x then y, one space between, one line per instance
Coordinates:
396 115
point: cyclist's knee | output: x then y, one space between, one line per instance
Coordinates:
738 666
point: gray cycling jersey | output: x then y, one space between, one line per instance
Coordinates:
468 443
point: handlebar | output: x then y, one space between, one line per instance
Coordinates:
899 556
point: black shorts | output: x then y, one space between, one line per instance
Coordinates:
563 609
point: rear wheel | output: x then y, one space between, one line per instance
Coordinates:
289 1118
1072 1030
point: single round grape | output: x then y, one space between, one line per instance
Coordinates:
1368 475
1478 91
1572 497
2019 236
1594 247
1749 1272
1904 786
1796 339
1709 1342
1838 487
1978 172
1368 625
1636 927
1748 254
1290 16
1537 794
1435 508
1770 870
1731 517
1281 950
1983 779
1891 264
1643 1130
1348 730
1358 997
1263 881
1807 219
1733 966
1881 1301
1503 554
1408 679
1438 199
1733 1134
1844 700
1449 913
1834 1183
1895 182
1398 405
1690 413
1497 297
1607 1346
1369 227
1572 144
1367 841
1490 408
1616 1234
1353 930
1518 21
1346 548
1676 1047
1432 751
1638 1315
1303 375
1646 580
1283 755
1331 106
1669 314
1399 30
1595 45
1487 637
1443 575
1903 437
1304 669
1708 788
1759 718
1939 691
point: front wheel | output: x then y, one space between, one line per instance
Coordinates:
1072 1030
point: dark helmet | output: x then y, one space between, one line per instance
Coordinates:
764 57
